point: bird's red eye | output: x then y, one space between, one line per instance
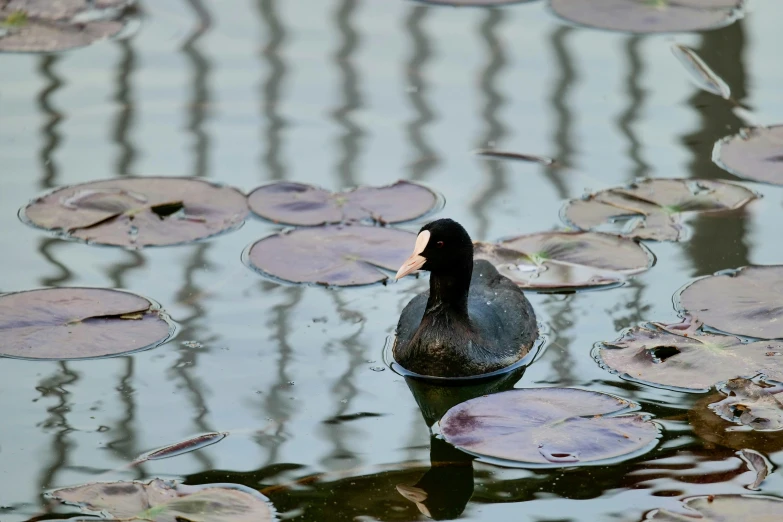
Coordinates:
439 244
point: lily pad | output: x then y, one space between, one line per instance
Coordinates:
724 508
653 208
684 357
306 205
747 301
75 323
139 212
649 16
557 261
757 406
168 501
549 426
755 153
46 25
346 255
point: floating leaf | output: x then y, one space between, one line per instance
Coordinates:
502 154
45 26
549 426
755 153
701 74
649 16
168 501
139 212
745 302
757 463
332 255
757 406
300 204
723 508
652 208
554 261
185 446
74 323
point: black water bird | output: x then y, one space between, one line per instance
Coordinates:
471 321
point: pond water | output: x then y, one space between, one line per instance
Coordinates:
340 93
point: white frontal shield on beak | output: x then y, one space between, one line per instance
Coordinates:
416 260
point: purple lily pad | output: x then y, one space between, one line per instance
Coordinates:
305 205
723 508
549 426
755 153
346 255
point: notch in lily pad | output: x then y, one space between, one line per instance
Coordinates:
332 255
305 205
78 323
549 427
566 261
653 208
754 153
167 501
139 212
723 508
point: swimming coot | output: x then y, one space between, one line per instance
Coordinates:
472 321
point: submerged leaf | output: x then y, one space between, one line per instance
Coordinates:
755 153
502 154
748 404
723 508
757 463
701 74
185 446
549 426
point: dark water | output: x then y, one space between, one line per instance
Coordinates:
340 93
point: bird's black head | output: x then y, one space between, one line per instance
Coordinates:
441 246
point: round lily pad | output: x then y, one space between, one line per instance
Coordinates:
755 153
168 501
305 205
557 261
346 255
549 426
75 323
653 208
47 25
139 212
649 16
684 357
747 301
724 508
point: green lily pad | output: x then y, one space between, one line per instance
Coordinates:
75 323
549 427
747 301
339 255
649 16
565 261
723 508
653 208
756 406
755 153
168 501
305 205
139 212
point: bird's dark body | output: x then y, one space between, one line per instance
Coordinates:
500 329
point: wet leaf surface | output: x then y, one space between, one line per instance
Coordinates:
299 204
723 508
712 429
47 25
682 356
139 212
652 209
700 73
550 426
73 323
332 255
757 406
748 301
755 153
648 16
757 463
167 501
553 261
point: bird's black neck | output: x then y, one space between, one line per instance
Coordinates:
449 290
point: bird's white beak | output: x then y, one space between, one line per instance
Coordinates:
416 260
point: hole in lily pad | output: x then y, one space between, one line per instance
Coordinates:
336 255
723 508
755 153
139 212
305 205
76 323
549 427
652 209
168 501
747 301
649 16
684 357
566 261
759 406
47 25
